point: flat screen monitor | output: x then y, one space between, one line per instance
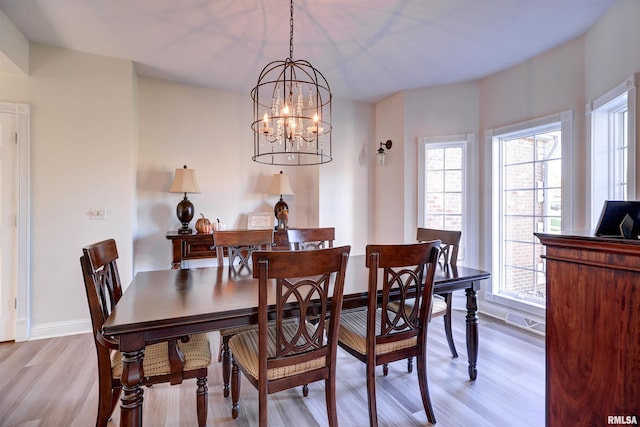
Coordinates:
619 219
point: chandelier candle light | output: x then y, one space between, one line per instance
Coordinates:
291 113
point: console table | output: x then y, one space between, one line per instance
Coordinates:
201 246
593 329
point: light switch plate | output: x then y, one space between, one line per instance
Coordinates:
98 213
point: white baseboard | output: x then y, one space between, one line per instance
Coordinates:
60 329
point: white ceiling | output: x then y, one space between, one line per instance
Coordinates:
366 49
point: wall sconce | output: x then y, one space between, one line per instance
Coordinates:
382 156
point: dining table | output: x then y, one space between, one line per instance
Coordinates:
168 304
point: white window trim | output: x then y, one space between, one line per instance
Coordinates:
512 305
466 140
629 86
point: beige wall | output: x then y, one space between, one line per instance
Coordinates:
611 48
207 129
82 152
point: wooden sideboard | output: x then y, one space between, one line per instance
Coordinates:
593 330
186 247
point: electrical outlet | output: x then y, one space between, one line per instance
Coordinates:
98 213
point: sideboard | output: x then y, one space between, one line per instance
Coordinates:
593 330
186 247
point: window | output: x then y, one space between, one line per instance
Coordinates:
527 198
612 150
441 188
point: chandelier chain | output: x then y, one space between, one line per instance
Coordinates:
291 31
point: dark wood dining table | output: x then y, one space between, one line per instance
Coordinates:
162 305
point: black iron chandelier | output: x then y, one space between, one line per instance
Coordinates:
291 113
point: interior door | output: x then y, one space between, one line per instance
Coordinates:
8 235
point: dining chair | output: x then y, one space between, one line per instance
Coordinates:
304 239
378 335
285 354
166 362
311 238
240 246
449 243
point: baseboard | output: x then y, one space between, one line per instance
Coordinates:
60 329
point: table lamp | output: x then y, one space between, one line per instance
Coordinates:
185 182
280 185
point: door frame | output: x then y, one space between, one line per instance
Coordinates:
23 220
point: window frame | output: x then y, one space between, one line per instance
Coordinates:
601 114
465 141
494 138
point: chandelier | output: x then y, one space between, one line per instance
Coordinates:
291 113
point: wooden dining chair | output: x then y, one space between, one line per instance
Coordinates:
172 362
449 244
239 246
311 238
378 335
284 354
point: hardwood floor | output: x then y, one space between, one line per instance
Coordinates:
53 383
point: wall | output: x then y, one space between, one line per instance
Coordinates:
207 129
440 111
82 151
350 212
389 209
611 48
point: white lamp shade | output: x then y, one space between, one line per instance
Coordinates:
185 181
280 185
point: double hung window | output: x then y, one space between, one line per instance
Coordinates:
527 198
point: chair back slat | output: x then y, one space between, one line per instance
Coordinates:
449 243
311 238
308 284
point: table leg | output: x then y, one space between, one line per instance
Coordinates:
131 398
472 331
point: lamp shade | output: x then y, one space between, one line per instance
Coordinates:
280 185
185 181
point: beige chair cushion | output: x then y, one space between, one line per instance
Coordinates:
438 308
197 354
353 333
244 347
237 329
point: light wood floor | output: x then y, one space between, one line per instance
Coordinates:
53 383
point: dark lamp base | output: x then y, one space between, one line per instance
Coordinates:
184 212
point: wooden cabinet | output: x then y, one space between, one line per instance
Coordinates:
593 330
201 246
190 246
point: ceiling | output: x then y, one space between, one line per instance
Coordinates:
366 49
